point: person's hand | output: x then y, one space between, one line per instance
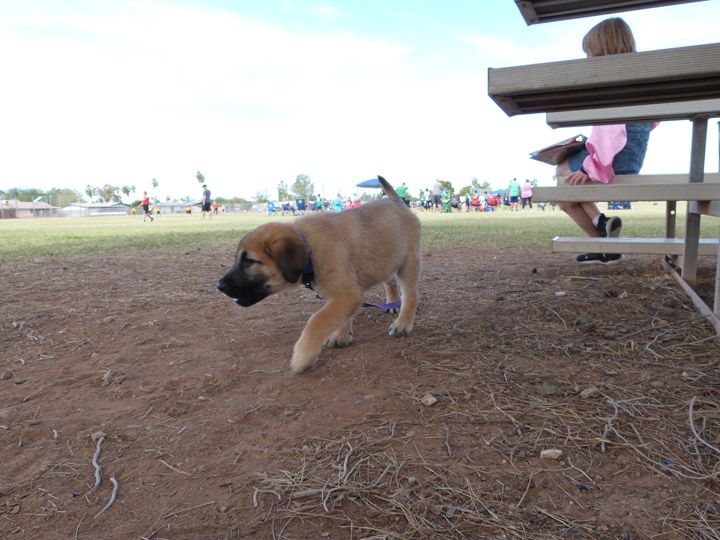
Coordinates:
577 177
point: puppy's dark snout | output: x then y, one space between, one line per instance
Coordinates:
222 286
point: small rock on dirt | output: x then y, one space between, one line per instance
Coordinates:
107 378
95 437
551 453
547 389
428 400
589 392
7 374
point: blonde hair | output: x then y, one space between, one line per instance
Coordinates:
611 36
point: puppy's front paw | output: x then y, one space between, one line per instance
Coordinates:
301 361
399 330
338 341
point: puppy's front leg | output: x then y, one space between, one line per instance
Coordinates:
321 325
342 337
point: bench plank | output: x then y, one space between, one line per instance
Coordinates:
612 192
663 76
707 247
644 179
709 108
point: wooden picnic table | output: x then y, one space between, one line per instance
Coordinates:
663 85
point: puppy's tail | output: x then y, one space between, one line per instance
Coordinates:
388 189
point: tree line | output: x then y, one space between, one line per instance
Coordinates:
302 188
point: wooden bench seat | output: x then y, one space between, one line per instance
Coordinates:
664 76
595 192
707 247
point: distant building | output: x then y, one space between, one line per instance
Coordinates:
176 207
94 209
13 208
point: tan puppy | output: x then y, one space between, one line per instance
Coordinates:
341 255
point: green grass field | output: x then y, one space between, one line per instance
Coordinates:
61 237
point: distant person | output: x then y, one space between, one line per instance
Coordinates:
146 207
222 208
157 210
437 196
526 194
402 191
188 209
133 211
215 207
513 192
609 151
205 202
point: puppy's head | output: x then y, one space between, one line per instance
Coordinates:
269 259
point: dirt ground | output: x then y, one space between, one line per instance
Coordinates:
210 436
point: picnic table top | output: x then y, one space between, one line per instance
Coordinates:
643 78
541 11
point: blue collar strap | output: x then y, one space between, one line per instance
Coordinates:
308 275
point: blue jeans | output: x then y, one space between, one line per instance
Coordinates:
630 159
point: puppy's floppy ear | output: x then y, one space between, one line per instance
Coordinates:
290 254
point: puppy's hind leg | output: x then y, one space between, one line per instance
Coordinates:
408 277
333 316
392 294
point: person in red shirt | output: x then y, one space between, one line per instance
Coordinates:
146 206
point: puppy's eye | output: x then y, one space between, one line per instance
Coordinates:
246 261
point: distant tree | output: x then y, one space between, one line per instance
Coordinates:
476 184
200 178
167 198
262 196
89 191
125 190
108 193
26 195
154 183
303 188
187 199
446 184
283 193
64 196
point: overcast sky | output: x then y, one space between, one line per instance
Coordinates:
252 92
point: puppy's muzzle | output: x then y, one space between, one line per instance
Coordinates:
244 291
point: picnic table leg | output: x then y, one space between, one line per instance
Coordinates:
716 302
670 223
692 223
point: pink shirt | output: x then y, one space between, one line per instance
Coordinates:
604 143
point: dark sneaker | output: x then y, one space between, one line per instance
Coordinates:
609 227
600 258
613 226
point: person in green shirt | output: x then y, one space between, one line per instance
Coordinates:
402 191
514 194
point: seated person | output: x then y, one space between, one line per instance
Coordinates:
609 151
